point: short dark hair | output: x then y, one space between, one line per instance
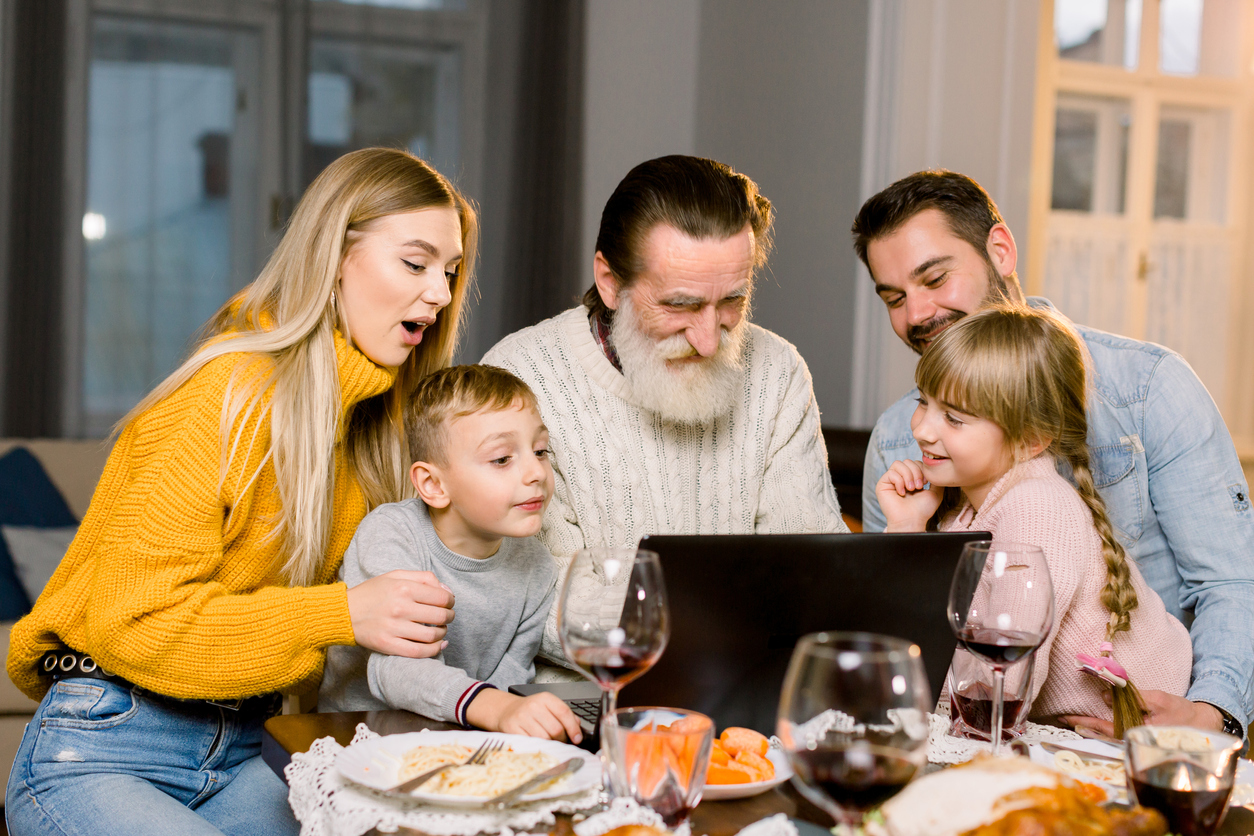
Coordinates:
967 208
699 197
455 392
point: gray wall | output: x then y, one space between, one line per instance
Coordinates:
781 90
775 89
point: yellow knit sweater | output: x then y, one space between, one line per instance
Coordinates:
157 588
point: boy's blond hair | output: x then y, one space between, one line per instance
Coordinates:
456 392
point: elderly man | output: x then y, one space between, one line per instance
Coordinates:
1162 458
669 412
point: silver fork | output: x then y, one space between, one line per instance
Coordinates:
478 756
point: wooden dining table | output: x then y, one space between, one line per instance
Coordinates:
290 733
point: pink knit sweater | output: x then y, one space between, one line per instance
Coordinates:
1032 504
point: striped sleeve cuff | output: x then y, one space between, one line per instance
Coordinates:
467 697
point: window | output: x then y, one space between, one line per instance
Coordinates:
192 152
1138 222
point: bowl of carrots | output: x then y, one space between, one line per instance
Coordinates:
744 763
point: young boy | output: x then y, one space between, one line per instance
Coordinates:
483 478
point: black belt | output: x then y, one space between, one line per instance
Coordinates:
70 664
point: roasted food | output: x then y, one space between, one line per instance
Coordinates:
1010 797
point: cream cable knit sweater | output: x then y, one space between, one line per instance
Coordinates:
1032 504
623 472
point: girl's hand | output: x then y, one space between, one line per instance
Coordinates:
905 498
401 613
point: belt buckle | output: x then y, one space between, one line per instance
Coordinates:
229 705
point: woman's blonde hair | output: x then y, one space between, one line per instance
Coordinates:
288 317
1025 370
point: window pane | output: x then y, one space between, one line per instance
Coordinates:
1200 37
1090 154
1191 172
363 94
1102 31
162 172
1171 183
1179 36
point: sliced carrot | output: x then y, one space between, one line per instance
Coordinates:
735 740
689 723
762 766
732 773
718 754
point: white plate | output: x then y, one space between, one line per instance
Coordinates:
726 792
368 763
1242 792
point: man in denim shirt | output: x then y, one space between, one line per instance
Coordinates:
1162 458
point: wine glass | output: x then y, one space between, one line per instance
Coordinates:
853 719
1001 608
612 617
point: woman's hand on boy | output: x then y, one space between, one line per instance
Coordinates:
401 613
539 715
905 497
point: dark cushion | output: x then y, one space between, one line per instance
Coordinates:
27 497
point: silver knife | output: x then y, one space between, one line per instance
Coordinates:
509 797
1054 748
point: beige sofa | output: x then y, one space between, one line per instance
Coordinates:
74 467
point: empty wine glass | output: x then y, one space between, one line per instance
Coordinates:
853 719
612 616
1001 608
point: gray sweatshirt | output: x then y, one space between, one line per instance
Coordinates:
502 604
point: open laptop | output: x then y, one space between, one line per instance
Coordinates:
739 603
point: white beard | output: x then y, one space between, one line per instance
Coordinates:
695 392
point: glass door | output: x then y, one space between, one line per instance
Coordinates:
1141 230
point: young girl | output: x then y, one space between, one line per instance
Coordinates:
1001 404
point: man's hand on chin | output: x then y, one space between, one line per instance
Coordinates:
1164 710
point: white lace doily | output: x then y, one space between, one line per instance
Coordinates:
944 748
624 811
327 804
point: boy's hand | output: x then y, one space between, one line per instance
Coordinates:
539 715
905 498
401 613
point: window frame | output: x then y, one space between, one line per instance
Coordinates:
285 28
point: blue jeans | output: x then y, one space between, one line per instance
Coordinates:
102 758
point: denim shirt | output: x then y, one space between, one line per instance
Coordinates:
1164 463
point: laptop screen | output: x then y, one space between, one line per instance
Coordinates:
739 603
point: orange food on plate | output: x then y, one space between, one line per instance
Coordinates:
759 764
688 724
738 756
735 740
731 773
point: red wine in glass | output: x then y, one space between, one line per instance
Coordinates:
1000 647
614 667
855 777
975 707
1188 812
1001 608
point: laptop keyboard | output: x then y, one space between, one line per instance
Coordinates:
589 710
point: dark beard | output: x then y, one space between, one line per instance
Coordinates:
915 334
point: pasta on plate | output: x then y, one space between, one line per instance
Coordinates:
502 771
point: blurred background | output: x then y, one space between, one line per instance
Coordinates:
152 150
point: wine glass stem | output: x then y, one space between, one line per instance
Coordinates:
999 683
609 701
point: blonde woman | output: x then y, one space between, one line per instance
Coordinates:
1002 398
201 583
